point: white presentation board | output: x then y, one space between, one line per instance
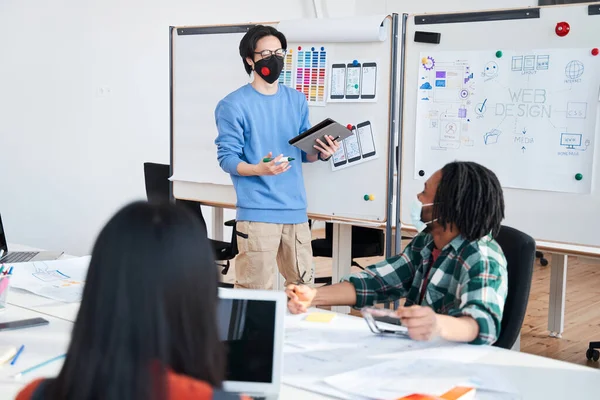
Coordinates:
508 90
344 67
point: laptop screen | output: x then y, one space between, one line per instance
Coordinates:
247 328
3 242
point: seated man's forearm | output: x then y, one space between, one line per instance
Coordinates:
339 294
458 329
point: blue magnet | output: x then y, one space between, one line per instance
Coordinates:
355 62
312 48
322 48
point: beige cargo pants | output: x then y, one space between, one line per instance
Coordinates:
264 247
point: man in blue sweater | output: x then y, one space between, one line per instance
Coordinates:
255 122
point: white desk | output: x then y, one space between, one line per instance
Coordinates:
535 377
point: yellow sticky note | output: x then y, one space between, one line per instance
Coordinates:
319 317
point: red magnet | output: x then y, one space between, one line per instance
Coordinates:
265 71
349 126
562 29
299 48
595 51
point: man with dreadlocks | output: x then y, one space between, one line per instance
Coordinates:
452 274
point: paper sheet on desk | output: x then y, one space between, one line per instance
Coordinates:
394 379
61 280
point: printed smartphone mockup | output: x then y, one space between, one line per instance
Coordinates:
352 147
339 157
338 81
366 139
369 81
353 81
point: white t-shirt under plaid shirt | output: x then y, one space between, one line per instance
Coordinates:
467 278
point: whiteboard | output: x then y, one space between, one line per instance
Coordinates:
359 190
503 89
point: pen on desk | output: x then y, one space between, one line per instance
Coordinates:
28 370
10 271
283 159
1 268
14 360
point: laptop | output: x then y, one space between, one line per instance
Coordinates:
22 256
251 324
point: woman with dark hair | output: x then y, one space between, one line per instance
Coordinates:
147 325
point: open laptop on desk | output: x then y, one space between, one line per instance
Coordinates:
251 324
22 256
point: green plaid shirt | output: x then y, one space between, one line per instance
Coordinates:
468 278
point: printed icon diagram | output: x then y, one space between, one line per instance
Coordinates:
570 140
543 63
490 70
530 63
574 69
577 110
428 63
492 136
480 108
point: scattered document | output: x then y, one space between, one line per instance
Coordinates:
61 280
393 379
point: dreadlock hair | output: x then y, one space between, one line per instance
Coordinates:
469 196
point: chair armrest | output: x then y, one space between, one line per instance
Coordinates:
230 223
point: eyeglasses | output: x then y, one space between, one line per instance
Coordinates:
266 54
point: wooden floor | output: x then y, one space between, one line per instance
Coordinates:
582 318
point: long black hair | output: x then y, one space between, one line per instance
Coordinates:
149 304
469 196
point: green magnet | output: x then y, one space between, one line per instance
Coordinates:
366 197
578 177
498 54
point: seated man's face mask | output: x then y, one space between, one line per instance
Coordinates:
416 210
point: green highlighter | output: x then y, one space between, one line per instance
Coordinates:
283 159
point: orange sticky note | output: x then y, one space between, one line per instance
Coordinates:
319 317
456 393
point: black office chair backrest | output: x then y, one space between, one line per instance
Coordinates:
157 181
366 242
157 188
519 250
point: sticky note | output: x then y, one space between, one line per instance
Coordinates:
319 317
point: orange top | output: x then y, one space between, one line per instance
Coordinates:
181 387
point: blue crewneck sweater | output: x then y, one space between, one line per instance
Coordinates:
251 125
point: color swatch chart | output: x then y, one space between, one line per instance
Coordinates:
286 77
311 71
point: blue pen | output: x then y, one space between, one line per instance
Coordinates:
28 370
10 271
14 360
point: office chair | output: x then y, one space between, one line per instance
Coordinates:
519 250
543 260
592 353
157 190
366 242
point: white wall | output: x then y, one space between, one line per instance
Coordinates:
84 100
70 157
